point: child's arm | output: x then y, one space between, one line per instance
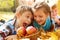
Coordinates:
5 29
11 37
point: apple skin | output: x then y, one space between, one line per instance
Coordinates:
21 31
31 30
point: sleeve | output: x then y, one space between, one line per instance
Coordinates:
7 28
4 29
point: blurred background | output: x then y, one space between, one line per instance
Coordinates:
8 7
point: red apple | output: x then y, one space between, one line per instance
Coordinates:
21 31
31 30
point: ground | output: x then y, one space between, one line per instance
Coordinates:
6 15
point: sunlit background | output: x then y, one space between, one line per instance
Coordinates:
7 7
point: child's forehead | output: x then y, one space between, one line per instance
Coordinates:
40 10
26 12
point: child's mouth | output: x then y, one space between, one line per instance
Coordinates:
24 24
39 21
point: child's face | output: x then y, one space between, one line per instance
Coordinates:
54 12
25 19
40 17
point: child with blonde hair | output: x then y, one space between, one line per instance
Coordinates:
42 17
23 17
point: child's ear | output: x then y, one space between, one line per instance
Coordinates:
17 15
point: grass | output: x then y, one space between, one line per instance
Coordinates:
6 15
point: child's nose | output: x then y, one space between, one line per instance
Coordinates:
37 19
29 20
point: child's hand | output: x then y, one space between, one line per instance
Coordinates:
1 32
9 38
12 37
2 35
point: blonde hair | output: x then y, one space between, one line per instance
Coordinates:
54 6
21 9
43 5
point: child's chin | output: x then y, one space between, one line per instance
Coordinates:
40 23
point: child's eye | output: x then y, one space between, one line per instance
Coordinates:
35 16
40 16
27 16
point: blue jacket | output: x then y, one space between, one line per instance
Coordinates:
8 27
